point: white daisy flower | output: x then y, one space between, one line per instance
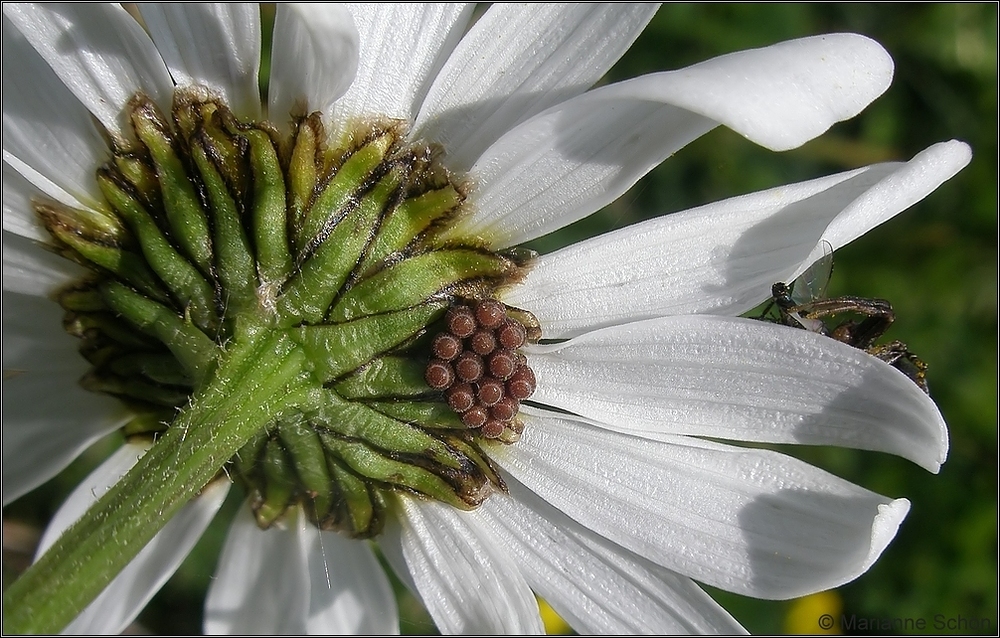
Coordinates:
282 282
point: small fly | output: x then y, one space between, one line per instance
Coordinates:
815 312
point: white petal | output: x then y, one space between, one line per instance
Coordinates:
211 44
314 58
597 586
750 521
128 593
783 95
101 54
571 160
583 154
517 61
30 269
41 435
261 585
723 257
44 125
350 593
19 195
402 48
468 585
742 380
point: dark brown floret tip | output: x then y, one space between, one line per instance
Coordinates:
478 366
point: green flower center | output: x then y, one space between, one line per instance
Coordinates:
328 257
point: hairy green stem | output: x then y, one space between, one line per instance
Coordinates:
262 375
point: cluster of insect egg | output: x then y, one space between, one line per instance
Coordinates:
477 365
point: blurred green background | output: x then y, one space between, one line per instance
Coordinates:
936 263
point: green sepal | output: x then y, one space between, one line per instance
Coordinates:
188 224
359 422
302 175
472 452
175 271
336 195
122 263
159 368
233 257
360 508
373 465
85 325
148 422
93 225
321 277
195 351
277 485
417 279
81 299
212 126
412 217
428 414
134 388
307 454
142 178
274 261
246 461
337 349
385 377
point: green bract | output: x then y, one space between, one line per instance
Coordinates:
299 274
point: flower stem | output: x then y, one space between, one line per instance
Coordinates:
262 375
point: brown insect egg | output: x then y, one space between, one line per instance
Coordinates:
475 417
439 374
483 342
522 384
461 397
511 335
446 346
502 364
505 409
492 429
469 366
490 391
490 313
461 321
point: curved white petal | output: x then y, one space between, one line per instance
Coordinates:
20 194
101 54
314 58
722 257
126 595
742 380
571 160
31 269
259 585
583 154
597 586
750 521
349 591
402 48
42 435
297 580
517 61
783 95
44 126
468 585
211 44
